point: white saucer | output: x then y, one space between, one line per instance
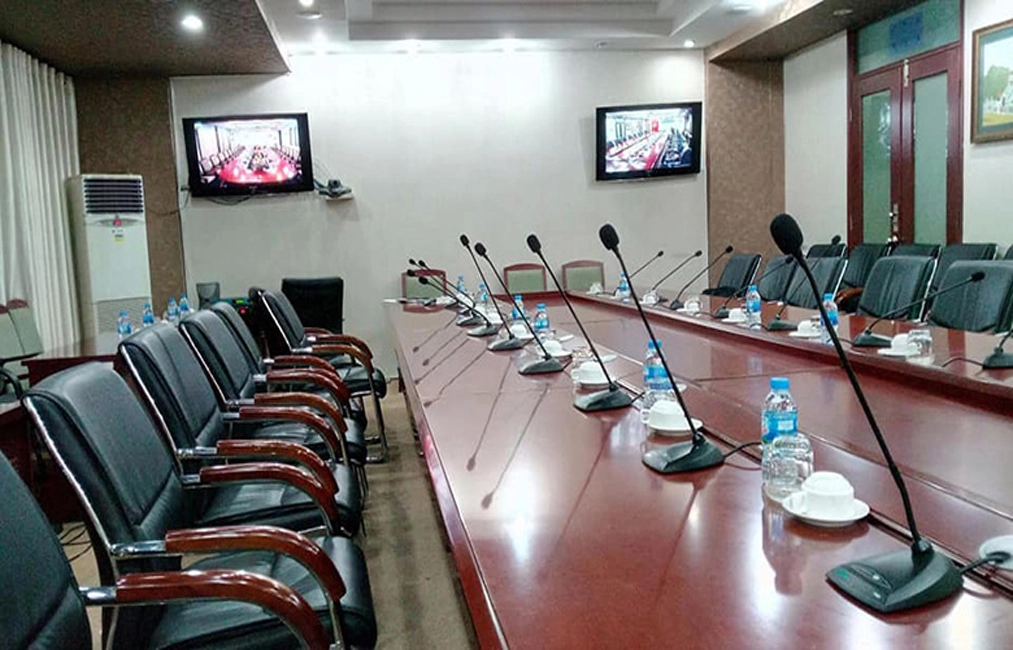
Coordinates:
890 352
603 384
676 432
607 357
564 338
1004 543
861 510
562 355
683 310
734 321
803 335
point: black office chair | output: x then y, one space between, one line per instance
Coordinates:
960 253
894 282
861 259
826 250
917 250
184 406
208 293
979 306
776 278
319 302
1009 253
736 276
143 515
827 271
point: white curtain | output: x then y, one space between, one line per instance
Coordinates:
38 152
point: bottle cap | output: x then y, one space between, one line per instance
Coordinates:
752 287
650 345
780 383
828 296
540 305
517 297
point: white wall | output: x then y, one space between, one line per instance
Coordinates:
494 145
816 138
988 167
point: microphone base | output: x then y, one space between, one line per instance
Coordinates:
485 330
778 325
721 313
870 340
998 359
696 454
468 321
604 400
676 304
901 580
513 343
541 366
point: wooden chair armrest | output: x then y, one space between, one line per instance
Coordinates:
333 437
334 385
331 349
303 361
317 331
280 450
847 294
272 595
305 400
342 339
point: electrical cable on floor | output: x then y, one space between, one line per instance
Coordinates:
80 553
75 541
745 445
995 557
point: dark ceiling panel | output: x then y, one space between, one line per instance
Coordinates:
142 37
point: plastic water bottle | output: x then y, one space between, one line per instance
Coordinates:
518 308
753 306
656 384
541 321
461 288
184 306
147 316
623 288
780 419
831 307
172 311
123 327
483 297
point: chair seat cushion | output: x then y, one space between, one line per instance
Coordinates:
357 380
219 624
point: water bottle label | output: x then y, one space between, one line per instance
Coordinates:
779 423
753 305
658 378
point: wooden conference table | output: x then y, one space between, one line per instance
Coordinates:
563 538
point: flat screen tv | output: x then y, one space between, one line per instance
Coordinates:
248 154
648 141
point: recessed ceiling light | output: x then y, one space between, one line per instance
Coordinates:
412 46
192 23
689 42
739 9
310 14
844 11
307 3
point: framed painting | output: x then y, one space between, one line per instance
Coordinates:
992 83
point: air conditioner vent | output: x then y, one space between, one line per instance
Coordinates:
113 195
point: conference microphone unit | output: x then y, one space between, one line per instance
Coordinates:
487 330
722 311
698 453
869 340
490 328
511 342
547 363
893 581
999 357
677 303
611 398
643 266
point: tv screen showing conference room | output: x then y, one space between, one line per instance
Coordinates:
248 155
648 141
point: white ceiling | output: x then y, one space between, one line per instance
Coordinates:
475 25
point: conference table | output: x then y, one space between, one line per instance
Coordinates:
563 538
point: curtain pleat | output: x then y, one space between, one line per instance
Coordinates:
38 152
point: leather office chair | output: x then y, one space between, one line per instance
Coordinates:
861 259
957 253
319 302
826 250
413 289
894 282
828 272
351 357
208 293
183 403
579 275
141 511
778 275
917 250
42 606
980 306
525 277
1009 253
736 276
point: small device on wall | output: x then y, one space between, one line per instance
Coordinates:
243 155
648 141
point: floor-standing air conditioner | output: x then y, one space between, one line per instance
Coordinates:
110 249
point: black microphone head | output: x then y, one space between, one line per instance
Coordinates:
464 241
423 264
836 240
729 249
698 254
977 276
411 262
660 254
610 238
480 249
534 244
787 235
411 273
423 279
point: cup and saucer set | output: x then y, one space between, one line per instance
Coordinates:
827 500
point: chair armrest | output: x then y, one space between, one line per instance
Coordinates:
334 437
330 349
307 400
847 294
279 450
301 361
294 476
343 339
317 331
334 385
270 594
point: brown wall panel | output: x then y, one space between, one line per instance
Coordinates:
745 156
125 127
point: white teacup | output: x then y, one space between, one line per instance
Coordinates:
901 344
807 327
667 415
737 314
596 289
553 347
519 329
590 372
827 495
692 305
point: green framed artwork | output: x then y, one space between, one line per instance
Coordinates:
992 83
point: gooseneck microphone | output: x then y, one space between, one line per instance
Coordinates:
869 340
677 303
892 581
547 363
643 266
679 266
490 327
696 454
999 357
778 325
478 331
611 398
722 311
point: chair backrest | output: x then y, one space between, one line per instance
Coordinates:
956 253
221 355
320 302
208 293
739 271
895 281
24 324
773 285
979 306
524 278
39 601
241 332
178 394
827 271
1009 253
579 275
826 250
860 262
10 344
917 250
412 288
284 329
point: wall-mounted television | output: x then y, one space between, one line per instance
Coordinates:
248 154
648 140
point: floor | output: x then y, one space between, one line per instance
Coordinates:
415 589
